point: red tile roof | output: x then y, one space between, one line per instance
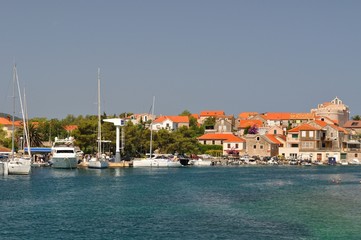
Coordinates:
70 127
249 123
288 116
7 122
176 119
304 127
4 149
212 113
195 115
227 137
321 123
352 124
273 138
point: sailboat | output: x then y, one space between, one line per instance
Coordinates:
19 165
99 160
158 161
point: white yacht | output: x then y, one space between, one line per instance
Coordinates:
64 154
157 161
19 165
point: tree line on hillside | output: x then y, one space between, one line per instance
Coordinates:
136 136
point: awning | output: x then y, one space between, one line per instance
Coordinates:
38 150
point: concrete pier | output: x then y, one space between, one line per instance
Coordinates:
119 164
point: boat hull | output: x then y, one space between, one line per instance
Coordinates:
201 163
64 162
18 168
98 164
156 163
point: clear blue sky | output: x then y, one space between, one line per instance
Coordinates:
195 55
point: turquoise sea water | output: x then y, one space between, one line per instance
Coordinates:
247 202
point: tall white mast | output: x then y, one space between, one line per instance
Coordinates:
13 117
151 129
99 120
23 113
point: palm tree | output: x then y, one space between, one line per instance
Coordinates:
34 136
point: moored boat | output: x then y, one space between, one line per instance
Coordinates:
157 162
99 161
19 165
64 154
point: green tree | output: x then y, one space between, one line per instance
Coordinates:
35 136
185 142
4 140
209 123
356 118
185 113
86 134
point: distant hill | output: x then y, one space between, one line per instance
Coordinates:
5 115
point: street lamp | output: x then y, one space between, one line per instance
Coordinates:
21 143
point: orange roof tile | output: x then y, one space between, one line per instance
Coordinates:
352 124
324 118
227 137
246 115
276 116
273 138
4 149
176 119
195 115
5 121
302 116
321 123
249 123
304 127
70 127
288 116
211 113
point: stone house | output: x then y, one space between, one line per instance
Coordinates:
141 118
228 141
334 110
262 145
170 123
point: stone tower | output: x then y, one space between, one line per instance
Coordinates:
334 110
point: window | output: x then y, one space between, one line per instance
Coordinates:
294 145
228 145
236 145
257 138
303 133
254 146
261 146
294 135
311 134
275 131
213 142
307 144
